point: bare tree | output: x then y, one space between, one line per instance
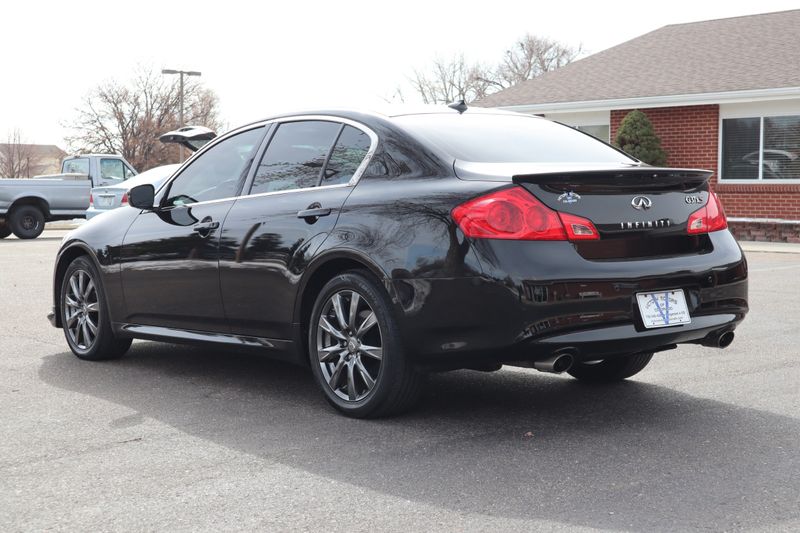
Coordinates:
455 79
17 158
127 118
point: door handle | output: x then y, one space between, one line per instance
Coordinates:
315 212
205 226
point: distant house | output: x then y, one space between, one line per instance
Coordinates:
723 95
44 158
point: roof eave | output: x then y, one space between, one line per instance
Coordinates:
673 100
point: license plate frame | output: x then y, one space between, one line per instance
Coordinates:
662 309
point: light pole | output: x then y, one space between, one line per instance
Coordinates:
182 73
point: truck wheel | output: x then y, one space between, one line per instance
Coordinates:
5 231
27 222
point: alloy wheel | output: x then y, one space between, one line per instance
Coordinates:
349 345
81 310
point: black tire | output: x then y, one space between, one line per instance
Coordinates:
396 384
27 221
609 370
89 311
5 230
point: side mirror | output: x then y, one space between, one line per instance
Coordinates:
142 196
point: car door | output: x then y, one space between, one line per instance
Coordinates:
169 256
297 190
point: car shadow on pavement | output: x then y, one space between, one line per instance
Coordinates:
629 456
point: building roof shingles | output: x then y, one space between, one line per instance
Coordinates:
733 54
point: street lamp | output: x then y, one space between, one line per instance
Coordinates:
182 73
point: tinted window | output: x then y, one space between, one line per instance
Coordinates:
76 166
509 139
217 172
349 152
111 169
295 156
741 138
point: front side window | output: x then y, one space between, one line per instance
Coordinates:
350 150
761 148
216 173
76 166
112 169
295 156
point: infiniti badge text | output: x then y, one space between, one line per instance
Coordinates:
646 224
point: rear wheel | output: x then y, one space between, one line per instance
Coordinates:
5 230
357 356
27 221
84 316
609 370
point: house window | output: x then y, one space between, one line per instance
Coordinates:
761 148
600 131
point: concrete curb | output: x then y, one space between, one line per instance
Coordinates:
772 247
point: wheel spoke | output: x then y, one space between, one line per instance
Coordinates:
81 282
354 301
72 319
366 325
336 375
351 383
362 370
93 307
70 302
86 336
92 326
338 310
88 289
327 355
327 326
375 352
73 285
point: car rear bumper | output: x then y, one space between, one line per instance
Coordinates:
535 299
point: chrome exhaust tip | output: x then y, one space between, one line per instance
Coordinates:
555 364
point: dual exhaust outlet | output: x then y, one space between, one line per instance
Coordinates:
562 361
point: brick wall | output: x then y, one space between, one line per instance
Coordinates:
690 135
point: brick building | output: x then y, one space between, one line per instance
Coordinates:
723 95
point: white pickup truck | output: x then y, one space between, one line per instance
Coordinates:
26 204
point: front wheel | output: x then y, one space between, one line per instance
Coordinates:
356 352
608 370
84 316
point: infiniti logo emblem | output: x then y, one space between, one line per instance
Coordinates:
641 203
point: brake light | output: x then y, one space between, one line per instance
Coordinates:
515 214
710 217
124 200
91 199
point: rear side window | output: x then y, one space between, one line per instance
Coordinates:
509 139
76 166
349 152
295 156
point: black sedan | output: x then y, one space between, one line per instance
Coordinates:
375 248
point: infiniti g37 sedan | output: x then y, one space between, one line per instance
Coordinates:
375 248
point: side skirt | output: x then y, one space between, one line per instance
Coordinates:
281 349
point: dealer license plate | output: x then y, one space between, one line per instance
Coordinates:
660 309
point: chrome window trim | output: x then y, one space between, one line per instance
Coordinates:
294 118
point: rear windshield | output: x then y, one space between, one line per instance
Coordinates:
509 139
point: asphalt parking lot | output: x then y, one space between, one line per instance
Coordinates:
181 438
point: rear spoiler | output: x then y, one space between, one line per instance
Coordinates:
636 177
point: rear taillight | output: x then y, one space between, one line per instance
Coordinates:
710 217
515 214
91 199
124 199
